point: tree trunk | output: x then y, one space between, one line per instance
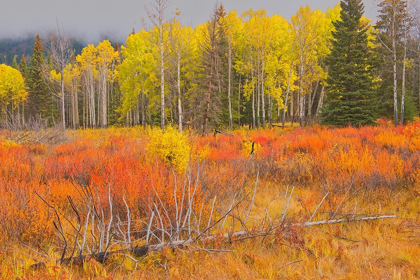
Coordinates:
321 100
403 82
394 60
292 109
258 94
253 97
143 110
104 90
301 107
208 93
162 80
84 110
312 99
92 101
270 111
179 93
263 96
239 100
63 110
287 93
230 85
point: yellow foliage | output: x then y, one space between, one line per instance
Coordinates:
171 146
9 144
247 148
12 87
203 152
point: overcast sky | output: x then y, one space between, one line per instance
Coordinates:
92 19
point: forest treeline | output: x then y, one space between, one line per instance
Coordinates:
234 70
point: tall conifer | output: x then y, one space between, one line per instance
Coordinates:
350 96
40 102
23 67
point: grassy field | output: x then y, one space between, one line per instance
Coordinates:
215 207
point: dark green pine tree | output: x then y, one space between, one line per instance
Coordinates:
14 63
349 99
23 67
40 101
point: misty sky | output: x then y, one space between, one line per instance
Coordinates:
92 19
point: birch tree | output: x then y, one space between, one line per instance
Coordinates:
392 15
157 15
60 47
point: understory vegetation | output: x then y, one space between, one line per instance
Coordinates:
313 203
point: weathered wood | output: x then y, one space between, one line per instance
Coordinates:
138 252
100 257
222 132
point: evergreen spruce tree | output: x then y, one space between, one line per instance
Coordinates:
40 102
14 63
349 99
23 67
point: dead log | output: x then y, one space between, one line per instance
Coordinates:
100 257
222 132
142 251
344 220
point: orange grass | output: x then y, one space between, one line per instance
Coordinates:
365 169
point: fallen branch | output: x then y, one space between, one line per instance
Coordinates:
290 263
102 257
222 132
338 221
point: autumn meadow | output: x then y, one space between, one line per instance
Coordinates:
246 147
306 203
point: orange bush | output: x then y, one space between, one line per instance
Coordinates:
335 160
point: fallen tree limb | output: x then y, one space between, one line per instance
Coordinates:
222 132
102 257
338 221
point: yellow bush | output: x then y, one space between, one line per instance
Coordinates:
171 146
247 148
8 144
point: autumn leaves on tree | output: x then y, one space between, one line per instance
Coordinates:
234 70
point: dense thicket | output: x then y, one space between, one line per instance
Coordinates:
237 70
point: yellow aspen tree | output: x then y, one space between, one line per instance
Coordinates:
12 92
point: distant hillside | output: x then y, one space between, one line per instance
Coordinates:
11 47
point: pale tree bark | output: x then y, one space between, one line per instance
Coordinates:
394 61
92 112
103 96
403 82
258 94
156 14
253 95
408 23
162 81
391 26
292 111
263 95
60 49
179 92
321 100
239 100
301 97
287 93
75 105
230 84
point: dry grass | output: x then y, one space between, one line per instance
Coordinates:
384 249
